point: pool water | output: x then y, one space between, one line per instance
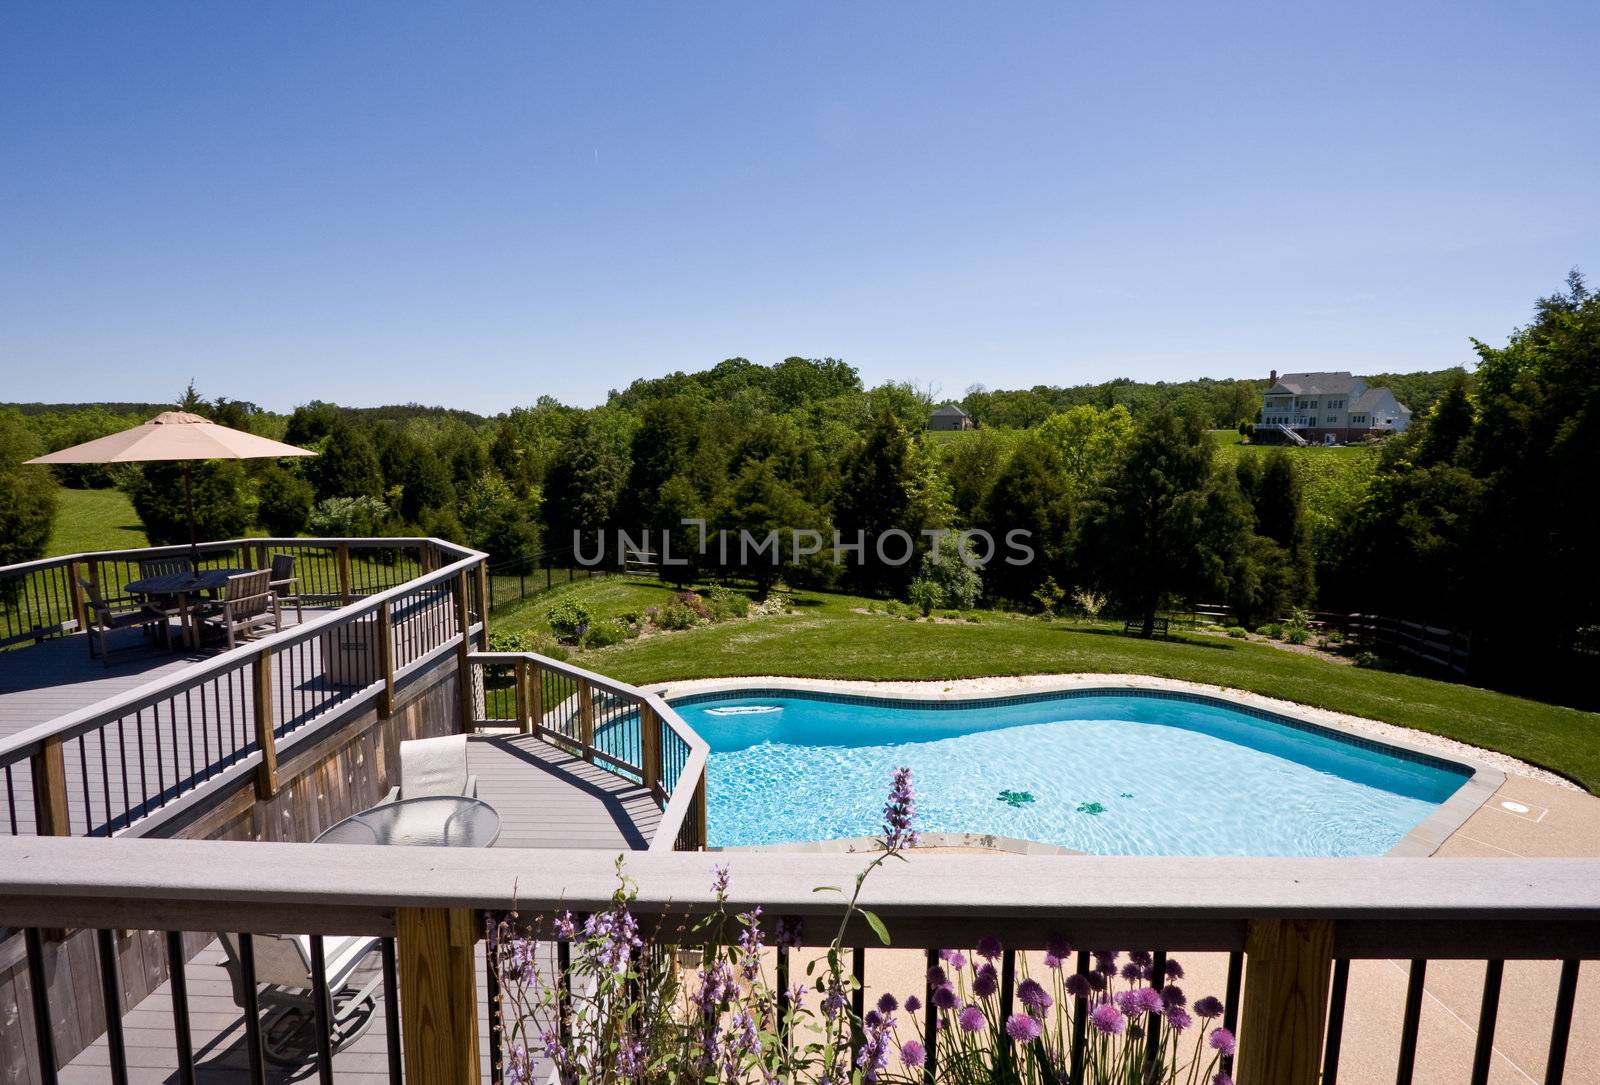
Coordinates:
1113 774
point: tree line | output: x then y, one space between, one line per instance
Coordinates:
1473 518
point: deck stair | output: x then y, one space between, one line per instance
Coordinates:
1292 435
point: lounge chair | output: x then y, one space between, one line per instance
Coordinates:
433 766
285 990
247 605
285 585
105 618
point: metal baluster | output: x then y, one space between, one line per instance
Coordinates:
491 961
930 1022
1488 1012
858 999
111 1000
564 987
44 1036
178 979
1330 1050
1152 1021
391 1009
1412 1019
1555 1066
252 1009
105 779
83 773
1230 1008
782 955
323 1007
1080 1022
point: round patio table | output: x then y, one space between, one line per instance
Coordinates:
440 821
183 587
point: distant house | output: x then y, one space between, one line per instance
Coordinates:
1327 408
950 418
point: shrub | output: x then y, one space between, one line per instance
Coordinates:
1296 634
724 602
515 640
569 620
925 594
677 615
284 501
961 584
1237 632
222 509
1090 603
1048 595
605 634
348 517
1271 629
1371 661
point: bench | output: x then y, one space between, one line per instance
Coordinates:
1158 628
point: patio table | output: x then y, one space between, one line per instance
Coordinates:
447 821
184 587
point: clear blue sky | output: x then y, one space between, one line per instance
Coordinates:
478 204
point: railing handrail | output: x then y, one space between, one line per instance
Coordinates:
369 542
86 718
1382 907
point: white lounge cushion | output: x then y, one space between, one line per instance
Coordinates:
433 766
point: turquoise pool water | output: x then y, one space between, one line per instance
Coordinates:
1118 774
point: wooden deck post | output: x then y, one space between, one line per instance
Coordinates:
343 551
266 725
650 748
385 634
700 812
49 769
79 604
261 556
521 682
535 697
463 654
586 718
483 606
438 994
1288 965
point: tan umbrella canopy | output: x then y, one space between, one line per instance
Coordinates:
175 435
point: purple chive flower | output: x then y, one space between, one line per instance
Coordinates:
957 959
1208 1008
1108 1019
971 1019
1222 1041
1178 1017
1150 1000
1022 1028
1132 972
944 997
937 976
898 814
913 1003
1057 947
1173 995
1141 957
986 983
1174 970
1128 1002
913 1054
1034 996
1078 986
873 1019
1052 962
1097 980
1222 1078
989 947
888 1003
1105 960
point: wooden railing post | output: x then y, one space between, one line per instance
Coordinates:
650 748
483 605
438 994
79 605
385 634
520 679
261 556
699 813
586 718
50 789
464 654
266 725
535 697
343 551
1288 965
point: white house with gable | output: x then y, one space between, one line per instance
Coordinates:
1327 408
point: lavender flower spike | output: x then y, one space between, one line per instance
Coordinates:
898 814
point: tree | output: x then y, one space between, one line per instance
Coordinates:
1033 495
761 511
586 477
27 494
283 500
498 523
1086 442
346 464
218 494
874 497
1163 525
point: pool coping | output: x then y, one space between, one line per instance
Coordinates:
1423 840
854 845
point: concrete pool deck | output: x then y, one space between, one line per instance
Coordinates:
1530 812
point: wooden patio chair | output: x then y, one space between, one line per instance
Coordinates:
247 605
433 766
105 618
167 605
286 991
285 585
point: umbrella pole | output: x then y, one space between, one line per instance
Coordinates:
188 504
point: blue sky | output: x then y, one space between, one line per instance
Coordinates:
477 204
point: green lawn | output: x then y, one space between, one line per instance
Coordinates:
825 638
93 520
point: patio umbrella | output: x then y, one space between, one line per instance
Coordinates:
175 435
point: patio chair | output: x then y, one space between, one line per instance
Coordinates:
433 766
246 606
105 618
285 585
166 567
286 991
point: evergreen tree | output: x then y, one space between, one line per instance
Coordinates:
1032 494
27 495
874 497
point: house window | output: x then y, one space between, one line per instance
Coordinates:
1313 404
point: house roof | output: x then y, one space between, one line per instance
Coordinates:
950 412
1373 397
1314 384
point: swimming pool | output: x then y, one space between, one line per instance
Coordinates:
1126 772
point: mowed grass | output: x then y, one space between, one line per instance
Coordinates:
825 638
93 520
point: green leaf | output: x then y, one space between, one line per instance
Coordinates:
827 889
877 925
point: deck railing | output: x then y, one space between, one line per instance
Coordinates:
102 768
1290 927
628 732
